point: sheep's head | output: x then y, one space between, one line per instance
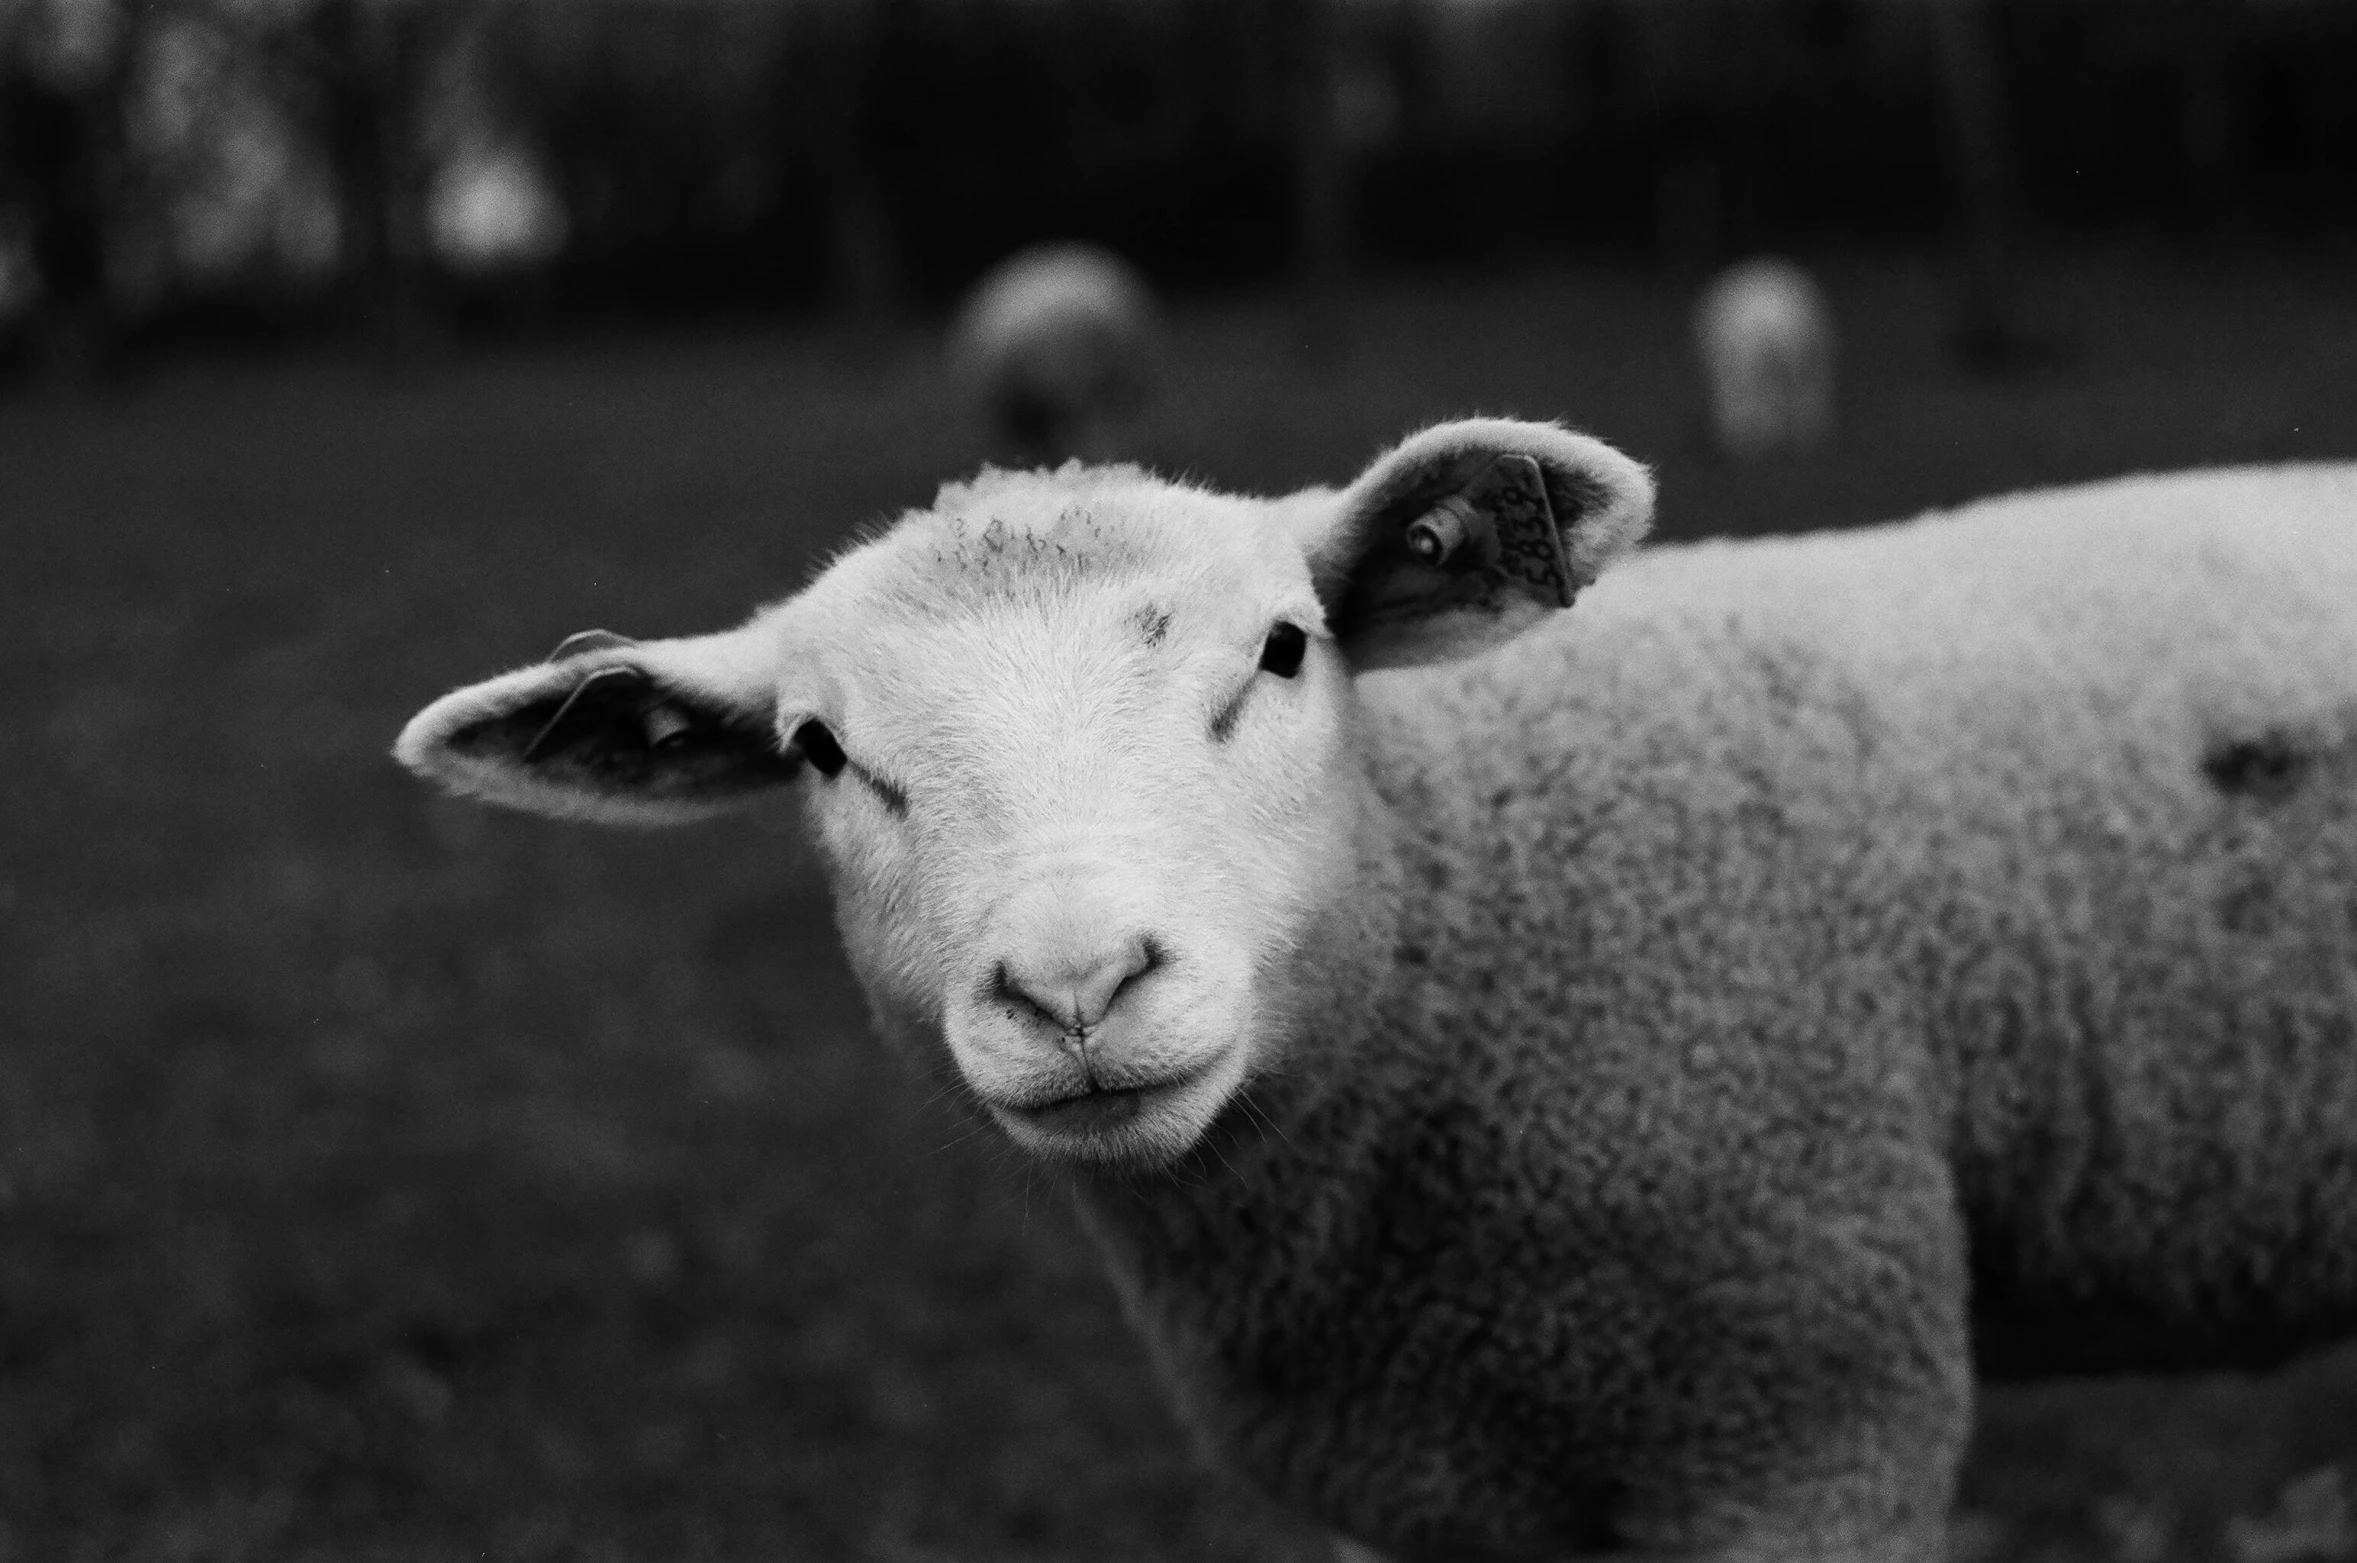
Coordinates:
1076 745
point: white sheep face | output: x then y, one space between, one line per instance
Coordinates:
1077 746
1079 820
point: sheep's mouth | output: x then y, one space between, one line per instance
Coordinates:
1097 1108
1127 1120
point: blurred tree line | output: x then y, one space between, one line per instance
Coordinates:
382 163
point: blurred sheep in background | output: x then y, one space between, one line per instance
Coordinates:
492 207
492 203
1766 342
1060 347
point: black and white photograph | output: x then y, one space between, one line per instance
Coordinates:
1178 781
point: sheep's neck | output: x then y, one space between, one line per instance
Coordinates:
1222 1258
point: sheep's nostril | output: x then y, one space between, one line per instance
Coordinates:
1020 999
1075 992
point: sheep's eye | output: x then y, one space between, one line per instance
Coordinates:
1281 653
818 746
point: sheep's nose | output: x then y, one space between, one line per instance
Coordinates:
1075 989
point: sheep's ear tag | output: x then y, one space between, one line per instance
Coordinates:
617 691
619 711
588 641
1501 526
600 701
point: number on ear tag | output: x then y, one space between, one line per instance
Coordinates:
1511 493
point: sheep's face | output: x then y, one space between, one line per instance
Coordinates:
1077 748
1089 799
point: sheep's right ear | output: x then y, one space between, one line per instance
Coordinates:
1465 535
614 731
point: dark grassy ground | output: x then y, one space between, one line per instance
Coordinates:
381 1178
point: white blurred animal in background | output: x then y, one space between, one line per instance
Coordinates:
1060 345
493 205
1765 339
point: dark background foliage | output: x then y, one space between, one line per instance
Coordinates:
766 155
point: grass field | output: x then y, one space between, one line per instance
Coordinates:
385 1179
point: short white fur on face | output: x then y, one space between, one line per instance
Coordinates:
1115 818
1078 748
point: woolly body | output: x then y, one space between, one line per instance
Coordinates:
1792 925
1660 1034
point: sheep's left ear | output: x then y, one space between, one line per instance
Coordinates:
614 731
1465 535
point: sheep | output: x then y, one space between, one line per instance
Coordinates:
493 208
493 205
1059 346
1561 1083
1765 341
